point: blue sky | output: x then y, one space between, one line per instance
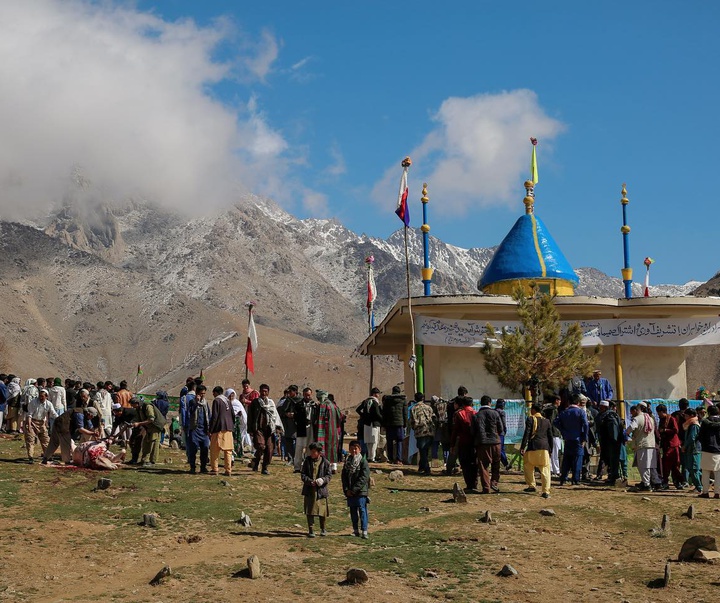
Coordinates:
316 104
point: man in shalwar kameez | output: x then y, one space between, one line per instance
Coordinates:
222 422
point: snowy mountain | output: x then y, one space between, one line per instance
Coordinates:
95 285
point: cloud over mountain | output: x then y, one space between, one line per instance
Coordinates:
122 99
479 149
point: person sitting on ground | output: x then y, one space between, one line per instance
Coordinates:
355 483
315 474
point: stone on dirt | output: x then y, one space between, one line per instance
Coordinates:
690 513
691 545
459 494
104 483
253 564
507 571
396 475
708 556
149 520
356 575
245 520
547 512
666 577
160 576
487 518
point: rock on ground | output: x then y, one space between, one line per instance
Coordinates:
691 545
459 494
507 571
357 575
703 555
253 564
160 576
396 475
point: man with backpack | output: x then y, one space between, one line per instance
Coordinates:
153 422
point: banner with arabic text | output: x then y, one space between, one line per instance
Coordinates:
644 332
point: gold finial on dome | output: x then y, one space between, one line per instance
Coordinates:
529 199
624 199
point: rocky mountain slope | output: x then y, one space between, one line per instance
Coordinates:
96 290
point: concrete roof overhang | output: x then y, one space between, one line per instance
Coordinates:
392 335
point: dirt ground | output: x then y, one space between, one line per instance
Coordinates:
63 541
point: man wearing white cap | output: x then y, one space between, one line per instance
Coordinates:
642 431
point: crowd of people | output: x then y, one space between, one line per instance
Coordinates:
307 428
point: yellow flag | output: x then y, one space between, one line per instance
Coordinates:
533 167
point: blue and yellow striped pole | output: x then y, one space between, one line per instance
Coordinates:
627 272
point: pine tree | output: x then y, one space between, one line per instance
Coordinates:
538 355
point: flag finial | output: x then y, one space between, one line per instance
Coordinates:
529 199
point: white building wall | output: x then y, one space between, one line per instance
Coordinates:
647 372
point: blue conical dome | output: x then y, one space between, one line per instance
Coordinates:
529 252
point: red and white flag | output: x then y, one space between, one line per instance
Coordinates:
252 344
402 210
371 289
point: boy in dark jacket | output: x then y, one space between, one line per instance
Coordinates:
355 482
315 475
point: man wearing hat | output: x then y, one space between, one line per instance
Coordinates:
394 412
598 388
371 421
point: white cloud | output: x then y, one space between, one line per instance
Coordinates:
315 204
337 167
301 63
124 95
267 53
479 152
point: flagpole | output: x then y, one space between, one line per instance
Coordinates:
250 309
371 295
627 272
411 363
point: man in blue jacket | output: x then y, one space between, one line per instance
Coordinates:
598 388
573 425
